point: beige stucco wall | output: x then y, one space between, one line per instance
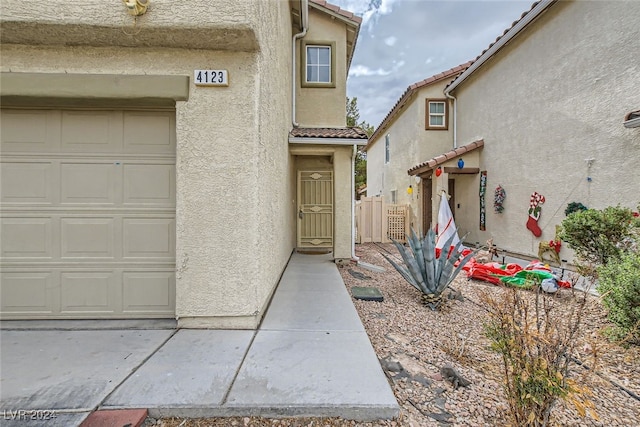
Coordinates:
234 229
555 96
410 144
324 106
220 25
274 218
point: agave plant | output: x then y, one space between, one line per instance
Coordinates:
428 274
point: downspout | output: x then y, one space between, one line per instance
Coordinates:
455 119
353 203
304 21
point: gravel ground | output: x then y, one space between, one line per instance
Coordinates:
413 343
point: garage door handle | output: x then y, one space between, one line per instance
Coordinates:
300 214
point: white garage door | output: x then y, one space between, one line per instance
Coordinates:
87 214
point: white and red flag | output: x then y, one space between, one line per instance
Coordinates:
446 227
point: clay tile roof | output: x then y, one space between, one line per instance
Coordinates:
451 73
347 133
438 160
338 10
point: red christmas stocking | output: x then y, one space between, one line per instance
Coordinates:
532 224
534 213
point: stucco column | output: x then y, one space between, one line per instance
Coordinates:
343 200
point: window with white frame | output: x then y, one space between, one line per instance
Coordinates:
387 156
319 70
436 117
394 197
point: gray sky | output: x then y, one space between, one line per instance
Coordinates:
402 42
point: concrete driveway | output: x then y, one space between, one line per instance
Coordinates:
310 357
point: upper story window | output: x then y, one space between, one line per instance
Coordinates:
386 149
436 117
319 64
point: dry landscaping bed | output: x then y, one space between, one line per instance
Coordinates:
413 343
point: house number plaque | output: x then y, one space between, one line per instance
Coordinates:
211 77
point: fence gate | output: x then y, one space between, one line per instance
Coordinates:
379 222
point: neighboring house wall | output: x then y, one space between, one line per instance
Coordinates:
234 229
555 96
323 106
409 140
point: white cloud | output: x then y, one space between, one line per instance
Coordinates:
425 36
364 71
390 41
375 9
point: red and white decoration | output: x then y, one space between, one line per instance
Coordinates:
534 213
446 227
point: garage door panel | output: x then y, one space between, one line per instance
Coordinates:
25 238
90 132
26 183
87 214
30 131
87 237
88 183
27 292
148 133
149 184
87 292
148 238
148 291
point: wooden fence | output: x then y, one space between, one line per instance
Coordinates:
379 222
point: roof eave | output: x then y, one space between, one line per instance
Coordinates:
513 32
352 21
445 157
326 141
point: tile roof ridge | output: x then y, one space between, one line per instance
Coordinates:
337 9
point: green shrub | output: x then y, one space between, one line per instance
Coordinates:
597 236
619 285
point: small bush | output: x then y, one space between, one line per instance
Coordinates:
600 235
536 339
619 285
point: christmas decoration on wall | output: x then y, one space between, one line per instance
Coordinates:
439 171
574 207
534 213
460 163
483 190
551 248
498 199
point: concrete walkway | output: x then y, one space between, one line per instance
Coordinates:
310 357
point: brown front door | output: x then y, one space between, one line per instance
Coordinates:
427 194
452 196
